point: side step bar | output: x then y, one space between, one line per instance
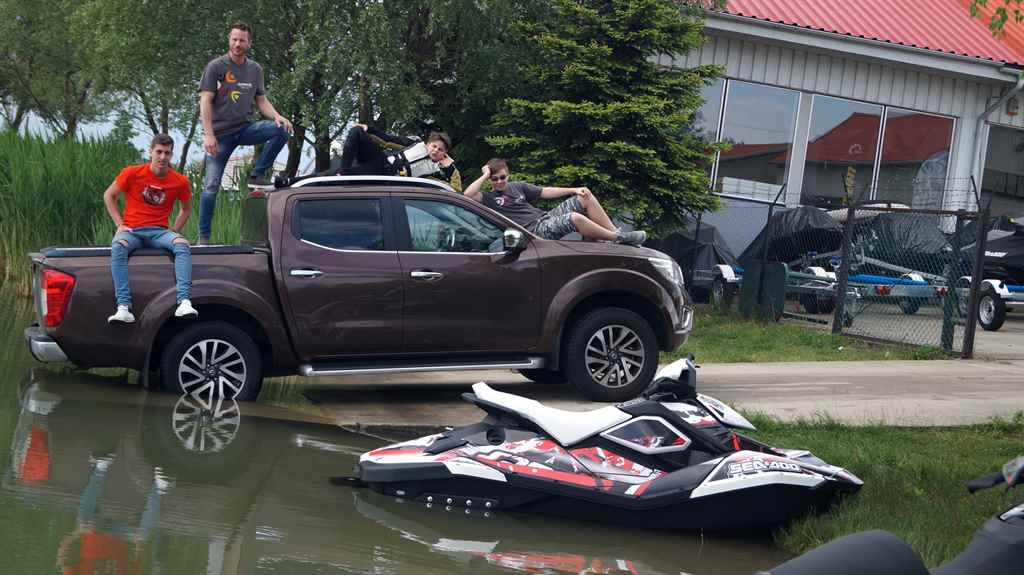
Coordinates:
322 370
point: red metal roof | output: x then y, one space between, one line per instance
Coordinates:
938 25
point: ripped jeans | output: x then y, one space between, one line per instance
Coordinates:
149 237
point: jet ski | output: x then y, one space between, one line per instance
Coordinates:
669 459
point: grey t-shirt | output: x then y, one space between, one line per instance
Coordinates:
234 90
516 203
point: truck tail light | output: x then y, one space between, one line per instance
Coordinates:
55 292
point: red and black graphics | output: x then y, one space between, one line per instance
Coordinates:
558 562
592 467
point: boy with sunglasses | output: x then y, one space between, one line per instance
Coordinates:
517 201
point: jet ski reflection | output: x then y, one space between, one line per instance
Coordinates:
469 536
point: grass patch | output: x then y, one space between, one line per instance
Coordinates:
727 337
913 480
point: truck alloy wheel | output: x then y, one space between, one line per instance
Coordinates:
210 360
611 354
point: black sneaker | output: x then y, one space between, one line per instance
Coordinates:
261 181
636 238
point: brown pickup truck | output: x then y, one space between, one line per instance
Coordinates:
361 275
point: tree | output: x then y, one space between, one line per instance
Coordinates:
139 54
45 68
595 109
1000 14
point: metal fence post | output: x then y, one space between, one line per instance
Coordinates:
948 308
695 249
844 271
768 228
976 277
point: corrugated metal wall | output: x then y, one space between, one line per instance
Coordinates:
844 77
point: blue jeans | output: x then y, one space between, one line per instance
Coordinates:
252 134
149 237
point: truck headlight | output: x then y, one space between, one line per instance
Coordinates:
669 269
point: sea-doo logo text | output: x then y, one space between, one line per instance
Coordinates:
995 254
762 465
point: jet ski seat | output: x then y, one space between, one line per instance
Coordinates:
565 427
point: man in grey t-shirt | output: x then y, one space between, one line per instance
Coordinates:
517 201
231 84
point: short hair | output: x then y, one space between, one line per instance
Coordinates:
440 137
496 164
161 140
240 26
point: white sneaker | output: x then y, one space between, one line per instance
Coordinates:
185 309
123 315
161 480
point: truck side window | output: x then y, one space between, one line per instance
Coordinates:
442 227
342 224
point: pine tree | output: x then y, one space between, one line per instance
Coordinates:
597 110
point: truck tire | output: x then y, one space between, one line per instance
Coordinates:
545 376
722 293
212 359
991 309
611 354
909 306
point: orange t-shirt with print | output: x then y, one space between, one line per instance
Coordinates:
149 199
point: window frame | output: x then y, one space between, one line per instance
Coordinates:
403 234
804 136
295 225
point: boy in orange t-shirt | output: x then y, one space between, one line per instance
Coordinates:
150 191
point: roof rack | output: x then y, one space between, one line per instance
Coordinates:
364 180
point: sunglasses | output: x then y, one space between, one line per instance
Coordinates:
501 178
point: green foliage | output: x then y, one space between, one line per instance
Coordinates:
593 107
1001 15
725 337
51 193
45 68
913 481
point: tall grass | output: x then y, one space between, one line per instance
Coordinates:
51 194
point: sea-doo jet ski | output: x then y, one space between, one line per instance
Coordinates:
667 459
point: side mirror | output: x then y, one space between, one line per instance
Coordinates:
514 241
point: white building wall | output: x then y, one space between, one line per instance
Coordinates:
857 78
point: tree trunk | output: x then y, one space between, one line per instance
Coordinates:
295 150
322 147
188 142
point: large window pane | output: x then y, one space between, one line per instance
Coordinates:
1003 184
759 123
844 135
705 119
442 227
915 158
348 224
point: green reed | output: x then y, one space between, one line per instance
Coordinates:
51 194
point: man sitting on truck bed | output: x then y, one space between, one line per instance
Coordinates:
150 191
517 201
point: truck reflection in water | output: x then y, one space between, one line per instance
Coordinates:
120 480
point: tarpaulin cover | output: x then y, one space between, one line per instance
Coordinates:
913 241
794 234
700 253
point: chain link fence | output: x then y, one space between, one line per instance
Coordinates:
880 268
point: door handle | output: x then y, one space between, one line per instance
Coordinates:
306 273
426 275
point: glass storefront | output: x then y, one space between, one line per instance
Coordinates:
759 123
910 166
843 135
